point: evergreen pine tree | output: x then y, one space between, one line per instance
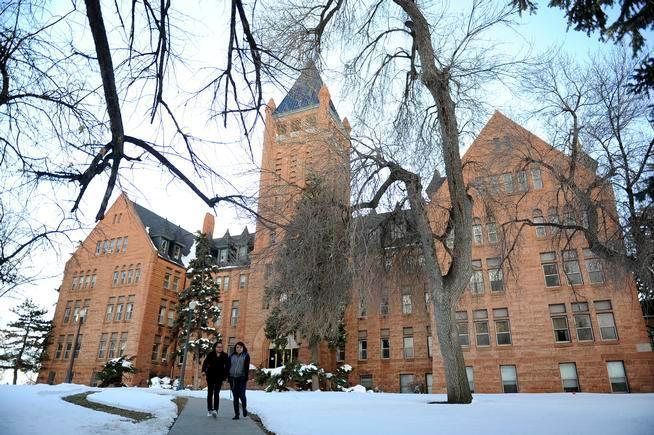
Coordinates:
206 292
25 339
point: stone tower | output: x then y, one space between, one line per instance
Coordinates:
304 135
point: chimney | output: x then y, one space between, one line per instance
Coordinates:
208 224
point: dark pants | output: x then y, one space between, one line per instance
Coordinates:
238 390
213 392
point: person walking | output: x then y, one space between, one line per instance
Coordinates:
216 370
238 377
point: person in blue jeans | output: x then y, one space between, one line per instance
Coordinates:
238 376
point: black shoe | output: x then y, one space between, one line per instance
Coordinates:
245 412
235 417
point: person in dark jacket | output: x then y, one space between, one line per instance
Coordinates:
239 367
216 370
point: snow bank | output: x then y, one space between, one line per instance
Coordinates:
535 414
39 409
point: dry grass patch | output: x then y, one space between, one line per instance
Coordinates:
82 400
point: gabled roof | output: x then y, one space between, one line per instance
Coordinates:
245 238
304 92
159 227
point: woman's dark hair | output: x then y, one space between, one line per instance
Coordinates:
240 343
216 344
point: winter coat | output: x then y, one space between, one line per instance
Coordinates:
246 364
216 367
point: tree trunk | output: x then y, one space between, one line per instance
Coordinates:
315 355
458 389
196 369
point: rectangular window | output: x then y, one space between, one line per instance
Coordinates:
363 345
243 253
123 276
522 181
428 382
617 377
242 281
176 279
385 343
103 345
407 383
76 309
408 342
109 314
112 345
119 308
60 346
508 183
462 326
593 267
166 283
429 342
569 378
606 321
560 323
156 346
69 346
93 280
477 278
481 327
171 315
112 243
162 312
340 354
363 310
98 247
129 308
115 280
219 318
74 284
491 229
67 311
509 379
137 275
177 252
226 283
536 178
477 234
582 321
234 318
105 246
495 185
495 274
550 269
122 346
471 378
223 255
571 267
124 244
407 305
119 244
384 308
502 326
366 381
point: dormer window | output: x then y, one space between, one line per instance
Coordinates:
164 246
242 252
177 252
223 255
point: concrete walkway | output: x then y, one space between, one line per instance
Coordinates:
194 421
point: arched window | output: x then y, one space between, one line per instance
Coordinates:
538 219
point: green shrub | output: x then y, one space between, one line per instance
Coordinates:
111 374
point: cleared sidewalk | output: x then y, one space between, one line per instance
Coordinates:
194 421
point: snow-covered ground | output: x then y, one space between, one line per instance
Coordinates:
39 409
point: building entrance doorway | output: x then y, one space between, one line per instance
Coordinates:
278 357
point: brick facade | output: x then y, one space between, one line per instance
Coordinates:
305 134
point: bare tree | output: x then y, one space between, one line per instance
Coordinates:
310 291
604 133
420 67
62 100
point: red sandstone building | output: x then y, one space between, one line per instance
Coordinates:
544 316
